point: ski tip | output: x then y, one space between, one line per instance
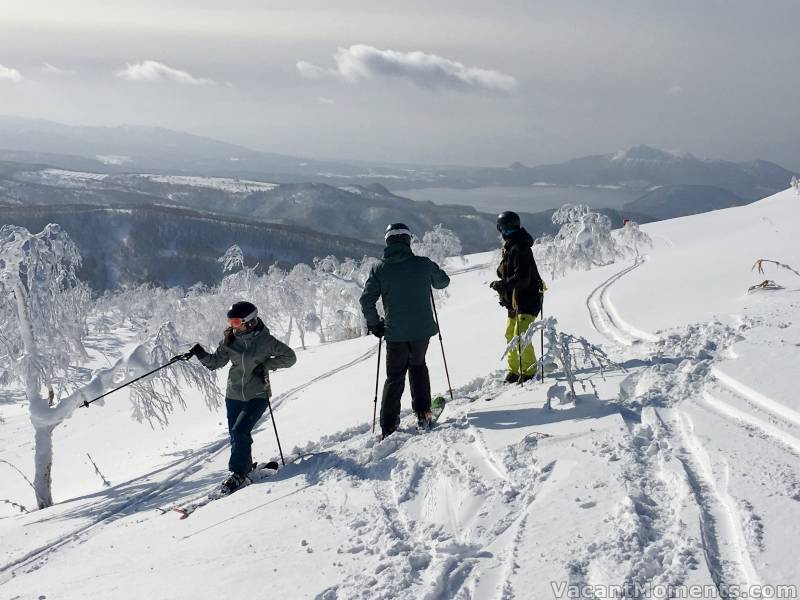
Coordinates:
182 512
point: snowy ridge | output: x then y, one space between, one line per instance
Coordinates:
682 470
226 184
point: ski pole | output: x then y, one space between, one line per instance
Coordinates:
515 306
377 378
275 427
441 343
541 331
173 360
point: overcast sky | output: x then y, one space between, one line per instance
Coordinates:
484 83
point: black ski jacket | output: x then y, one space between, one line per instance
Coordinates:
521 292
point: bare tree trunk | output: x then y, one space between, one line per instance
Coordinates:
42 479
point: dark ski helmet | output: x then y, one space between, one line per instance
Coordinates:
398 233
507 221
245 311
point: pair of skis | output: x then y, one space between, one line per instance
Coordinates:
259 472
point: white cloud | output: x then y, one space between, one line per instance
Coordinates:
153 71
10 74
324 100
360 62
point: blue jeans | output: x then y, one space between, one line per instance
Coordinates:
242 417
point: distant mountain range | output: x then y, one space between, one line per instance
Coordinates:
356 211
134 149
170 229
150 204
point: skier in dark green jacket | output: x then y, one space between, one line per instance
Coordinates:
252 352
403 282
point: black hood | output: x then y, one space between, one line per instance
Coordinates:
519 238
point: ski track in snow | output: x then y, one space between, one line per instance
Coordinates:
754 410
605 318
723 539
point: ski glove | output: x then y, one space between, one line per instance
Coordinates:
498 286
198 351
379 329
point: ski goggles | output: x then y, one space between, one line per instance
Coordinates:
237 322
506 232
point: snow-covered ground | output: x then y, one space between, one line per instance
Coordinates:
683 469
226 184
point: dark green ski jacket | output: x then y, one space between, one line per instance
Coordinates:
252 355
403 281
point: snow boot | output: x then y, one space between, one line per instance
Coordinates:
424 420
233 483
511 377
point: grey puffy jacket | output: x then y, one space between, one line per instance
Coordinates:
252 355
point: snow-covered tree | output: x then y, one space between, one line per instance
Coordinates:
438 245
44 325
583 241
232 260
795 183
632 238
567 357
300 290
43 319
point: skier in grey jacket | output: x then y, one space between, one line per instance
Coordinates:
252 352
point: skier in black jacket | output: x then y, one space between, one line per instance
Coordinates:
403 281
520 290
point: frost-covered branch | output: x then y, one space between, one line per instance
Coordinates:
21 474
105 481
19 507
155 398
759 264
572 355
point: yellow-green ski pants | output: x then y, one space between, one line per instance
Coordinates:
528 354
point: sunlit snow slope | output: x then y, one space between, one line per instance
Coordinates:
684 469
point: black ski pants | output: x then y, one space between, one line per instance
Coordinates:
402 358
242 417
